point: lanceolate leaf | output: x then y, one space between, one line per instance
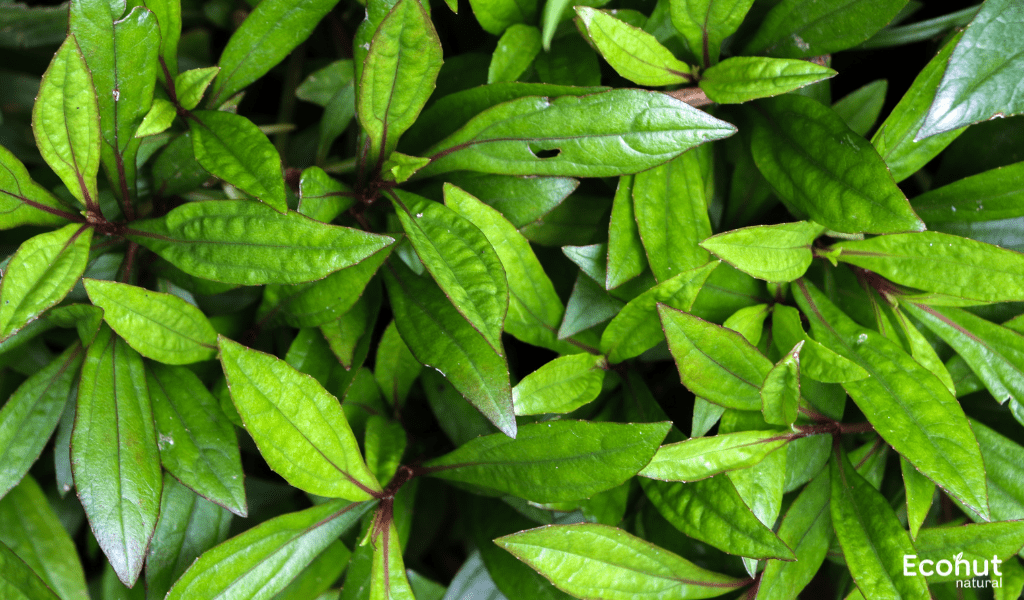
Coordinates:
517 48
631 51
190 86
395 369
387 574
299 428
816 361
589 560
799 28
556 461
979 82
1003 460
715 363
825 171
908 406
120 491
626 257
397 77
66 122
40 274
159 326
560 386
30 415
600 135
232 148
262 561
939 262
919 491
18 581
987 196
22 200
248 243
439 337
974 543
744 78
703 457
780 394
704 24
197 442
460 258
770 252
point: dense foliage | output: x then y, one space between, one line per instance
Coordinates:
389 302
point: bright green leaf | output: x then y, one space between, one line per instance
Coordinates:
22 200
703 457
560 386
816 361
160 116
191 85
632 52
780 393
744 78
18 581
770 252
705 24
517 48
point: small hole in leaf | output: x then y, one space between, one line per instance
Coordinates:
544 153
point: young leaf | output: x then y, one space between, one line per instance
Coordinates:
749 322
860 108
66 122
771 252
703 457
197 442
626 257
816 361
18 581
460 258
801 28
517 48
894 139
741 79
715 363
979 82
825 171
396 369
262 561
387 574
159 326
234 149
919 491
120 491
636 329
873 541
30 415
940 262
321 197
22 200
556 461
671 205
909 407
191 85
560 386
248 243
632 52
397 77
589 560
40 274
600 135
299 428
159 117
440 337
704 24
780 393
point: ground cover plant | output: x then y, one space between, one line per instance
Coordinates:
306 299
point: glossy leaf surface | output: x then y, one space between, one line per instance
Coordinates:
770 252
631 51
741 79
703 457
560 386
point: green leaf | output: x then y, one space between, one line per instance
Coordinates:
823 170
987 196
560 386
517 48
807 529
22 200
780 393
267 35
299 428
397 77
801 28
66 122
715 363
248 243
922 351
705 24
770 252
975 543
263 560
319 575
387 574
18 581
860 108
873 541
322 198
191 85
189 526
396 369
626 257
909 407
460 258
534 308
634 54
29 527
1003 460
671 205
940 262
157 325
160 116
40 274
600 135
30 415
744 78
588 306
400 167
120 491
636 328
816 361
495 16
197 442
234 149
749 322
710 510
979 83
595 457
703 457
122 56
919 491
168 14
894 139
589 560
384 443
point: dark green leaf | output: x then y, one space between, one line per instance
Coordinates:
860 108
632 52
919 491
705 24
396 369
973 544
626 257
497 15
800 28
18 581
1003 460
517 48
987 196
560 386
30 27
744 78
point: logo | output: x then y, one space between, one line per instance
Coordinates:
957 566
